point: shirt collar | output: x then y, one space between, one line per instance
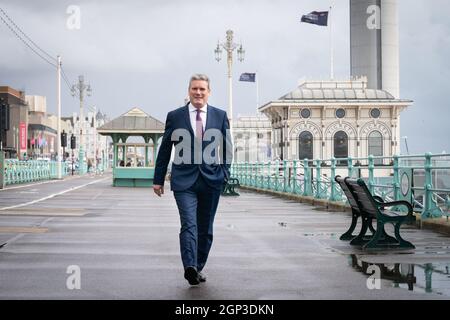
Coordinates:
202 109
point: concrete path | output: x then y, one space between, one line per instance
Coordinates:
123 243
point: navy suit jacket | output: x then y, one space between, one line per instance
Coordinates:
184 174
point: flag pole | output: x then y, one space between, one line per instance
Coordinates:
257 91
331 44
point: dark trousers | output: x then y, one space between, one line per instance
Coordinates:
197 207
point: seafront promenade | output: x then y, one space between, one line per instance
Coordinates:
81 238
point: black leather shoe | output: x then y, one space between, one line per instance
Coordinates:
201 277
191 275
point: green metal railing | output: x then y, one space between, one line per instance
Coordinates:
17 171
423 180
14 171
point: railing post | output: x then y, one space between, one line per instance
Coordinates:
294 186
428 185
371 177
254 168
241 171
318 178
285 176
277 174
22 171
307 189
247 174
430 210
261 165
350 167
396 181
333 196
257 174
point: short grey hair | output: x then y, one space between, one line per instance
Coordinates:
201 77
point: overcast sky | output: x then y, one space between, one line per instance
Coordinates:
141 53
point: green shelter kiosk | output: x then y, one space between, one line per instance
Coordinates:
134 162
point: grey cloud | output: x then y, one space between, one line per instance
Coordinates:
141 53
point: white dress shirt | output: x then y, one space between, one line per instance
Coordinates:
193 117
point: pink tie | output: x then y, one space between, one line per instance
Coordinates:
199 125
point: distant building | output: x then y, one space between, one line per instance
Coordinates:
252 139
95 145
14 140
325 119
42 129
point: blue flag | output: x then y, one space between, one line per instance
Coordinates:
248 77
316 17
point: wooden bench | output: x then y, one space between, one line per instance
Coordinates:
230 186
356 214
369 207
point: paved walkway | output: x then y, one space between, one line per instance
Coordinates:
125 243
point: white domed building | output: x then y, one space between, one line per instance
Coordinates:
325 119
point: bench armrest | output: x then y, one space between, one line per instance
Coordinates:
397 203
378 199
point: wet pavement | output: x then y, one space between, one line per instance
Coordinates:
123 244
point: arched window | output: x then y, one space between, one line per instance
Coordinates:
305 146
376 146
341 147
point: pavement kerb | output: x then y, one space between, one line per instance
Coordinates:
440 225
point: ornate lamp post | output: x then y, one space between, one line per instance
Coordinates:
229 47
80 89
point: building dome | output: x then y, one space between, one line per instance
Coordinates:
337 94
336 90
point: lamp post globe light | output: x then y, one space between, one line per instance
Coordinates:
229 46
80 89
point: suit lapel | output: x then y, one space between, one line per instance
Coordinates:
209 116
187 119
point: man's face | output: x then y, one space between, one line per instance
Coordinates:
199 93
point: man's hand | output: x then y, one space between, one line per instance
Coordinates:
159 190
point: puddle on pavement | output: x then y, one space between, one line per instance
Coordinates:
328 235
424 278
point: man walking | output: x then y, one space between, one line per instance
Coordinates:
197 176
